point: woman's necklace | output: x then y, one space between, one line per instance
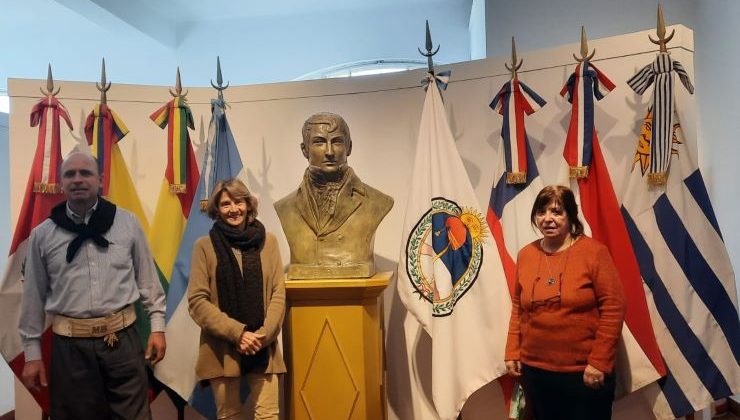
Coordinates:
550 276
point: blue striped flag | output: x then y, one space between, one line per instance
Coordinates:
689 280
661 73
177 370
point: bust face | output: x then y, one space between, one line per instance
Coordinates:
326 151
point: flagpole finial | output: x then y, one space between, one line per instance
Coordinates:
104 85
49 84
585 56
660 31
219 86
429 47
178 87
514 66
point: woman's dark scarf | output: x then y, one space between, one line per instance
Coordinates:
100 222
240 293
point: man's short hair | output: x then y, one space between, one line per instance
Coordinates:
334 121
87 155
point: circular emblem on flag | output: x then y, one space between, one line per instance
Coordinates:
444 254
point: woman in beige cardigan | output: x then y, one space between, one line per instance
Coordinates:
237 297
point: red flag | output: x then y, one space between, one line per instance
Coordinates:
43 192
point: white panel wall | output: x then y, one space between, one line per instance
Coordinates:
383 114
717 44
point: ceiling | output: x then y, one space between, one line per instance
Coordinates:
189 10
163 20
143 41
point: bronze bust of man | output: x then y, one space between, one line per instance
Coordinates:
330 220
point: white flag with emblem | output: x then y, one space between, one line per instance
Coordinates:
450 276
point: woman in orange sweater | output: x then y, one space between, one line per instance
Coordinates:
567 315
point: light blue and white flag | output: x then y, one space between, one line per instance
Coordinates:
177 370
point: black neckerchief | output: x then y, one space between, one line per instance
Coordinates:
99 223
240 293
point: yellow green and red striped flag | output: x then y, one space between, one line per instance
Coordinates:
178 186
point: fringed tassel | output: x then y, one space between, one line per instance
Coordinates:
44 188
516 177
578 172
657 178
203 205
178 188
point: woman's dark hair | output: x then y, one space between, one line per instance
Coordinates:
238 191
565 198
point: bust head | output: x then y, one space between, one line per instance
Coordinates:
326 144
331 219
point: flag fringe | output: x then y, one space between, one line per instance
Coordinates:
578 172
203 205
516 177
657 178
44 188
178 188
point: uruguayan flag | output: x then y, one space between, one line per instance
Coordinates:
689 280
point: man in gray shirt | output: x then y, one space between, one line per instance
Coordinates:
86 266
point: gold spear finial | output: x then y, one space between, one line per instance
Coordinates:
584 48
514 66
103 86
49 84
660 31
178 87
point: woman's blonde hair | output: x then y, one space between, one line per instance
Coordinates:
238 191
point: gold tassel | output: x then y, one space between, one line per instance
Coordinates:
516 177
657 178
178 188
578 172
203 205
44 188
111 340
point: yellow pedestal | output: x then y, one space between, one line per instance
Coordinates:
334 347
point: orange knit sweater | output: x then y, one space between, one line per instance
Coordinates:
570 321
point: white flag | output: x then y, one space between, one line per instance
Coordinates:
450 276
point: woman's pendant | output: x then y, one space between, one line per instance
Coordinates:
550 281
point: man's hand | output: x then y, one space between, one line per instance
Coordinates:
514 368
34 375
156 347
593 378
250 342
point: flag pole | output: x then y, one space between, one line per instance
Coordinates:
49 92
429 54
178 87
585 56
660 31
103 86
219 85
514 65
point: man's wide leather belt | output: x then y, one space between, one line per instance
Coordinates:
94 327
